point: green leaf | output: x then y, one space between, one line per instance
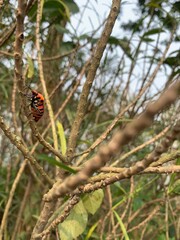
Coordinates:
67 46
62 137
174 185
67 12
61 29
153 5
93 201
169 22
91 230
176 6
56 8
172 61
75 223
121 226
145 39
73 7
54 162
153 31
30 73
123 43
161 237
4 90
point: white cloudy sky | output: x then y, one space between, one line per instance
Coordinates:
97 10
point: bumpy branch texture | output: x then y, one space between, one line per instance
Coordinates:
123 173
97 55
138 167
19 75
114 146
106 152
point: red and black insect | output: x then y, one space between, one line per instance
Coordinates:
37 105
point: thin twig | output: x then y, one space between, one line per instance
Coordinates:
120 139
97 55
161 134
141 92
11 195
41 75
22 207
15 140
154 212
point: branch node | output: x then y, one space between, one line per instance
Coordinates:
21 37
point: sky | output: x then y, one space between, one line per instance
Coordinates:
97 11
94 14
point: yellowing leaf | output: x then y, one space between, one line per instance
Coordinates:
91 230
62 137
30 67
75 223
93 201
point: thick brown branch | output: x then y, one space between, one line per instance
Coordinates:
20 79
139 167
114 146
97 55
71 203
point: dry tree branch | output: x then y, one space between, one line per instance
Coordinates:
30 4
121 138
66 212
143 231
78 80
62 55
166 158
146 220
159 201
16 141
6 53
161 134
112 172
41 75
13 105
71 203
131 191
71 93
95 61
9 202
131 171
98 52
22 207
166 215
20 79
113 147
45 58
112 220
7 35
1 3
141 92
21 85
138 167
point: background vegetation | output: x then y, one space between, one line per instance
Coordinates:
95 83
